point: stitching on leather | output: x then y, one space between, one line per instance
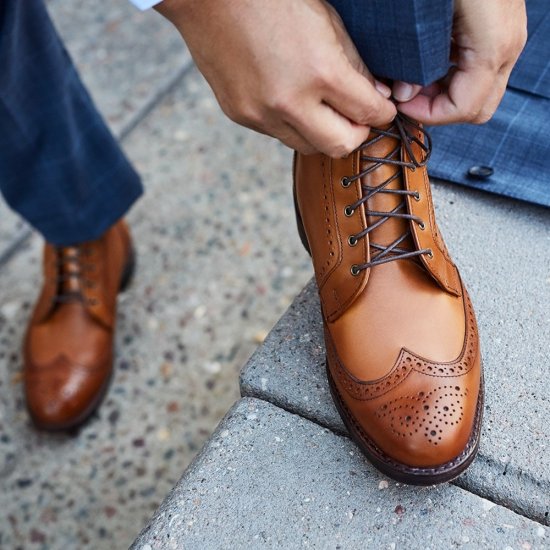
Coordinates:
390 388
408 362
323 270
399 466
342 306
434 230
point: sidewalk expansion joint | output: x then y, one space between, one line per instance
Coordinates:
542 518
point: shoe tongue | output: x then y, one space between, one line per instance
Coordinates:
393 228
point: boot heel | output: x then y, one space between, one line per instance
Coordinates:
299 222
128 273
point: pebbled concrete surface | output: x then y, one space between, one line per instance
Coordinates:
503 250
270 479
218 263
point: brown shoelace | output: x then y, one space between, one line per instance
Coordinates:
67 256
398 131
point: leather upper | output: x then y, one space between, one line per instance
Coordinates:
402 335
68 349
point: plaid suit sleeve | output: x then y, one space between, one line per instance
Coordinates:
401 39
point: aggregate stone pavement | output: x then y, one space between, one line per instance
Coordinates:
503 250
219 261
271 479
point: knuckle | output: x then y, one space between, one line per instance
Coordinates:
468 113
337 151
251 115
366 115
243 112
228 111
281 102
483 117
342 148
321 76
521 40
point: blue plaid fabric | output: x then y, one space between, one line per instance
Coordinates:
406 40
60 167
516 142
409 40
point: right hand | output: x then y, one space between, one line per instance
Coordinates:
284 68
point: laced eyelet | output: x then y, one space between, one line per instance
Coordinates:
422 226
352 240
416 196
355 270
345 182
348 211
430 253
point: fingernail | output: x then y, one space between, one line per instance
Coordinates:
402 91
382 88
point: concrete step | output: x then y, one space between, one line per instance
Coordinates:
271 479
503 249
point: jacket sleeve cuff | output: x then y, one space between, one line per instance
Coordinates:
145 4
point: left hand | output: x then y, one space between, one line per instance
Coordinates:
488 37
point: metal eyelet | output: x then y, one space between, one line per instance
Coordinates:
430 253
355 270
416 196
348 211
422 226
352 240
345 182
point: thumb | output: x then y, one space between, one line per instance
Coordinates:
403 91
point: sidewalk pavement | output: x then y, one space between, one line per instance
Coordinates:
218 263
277 473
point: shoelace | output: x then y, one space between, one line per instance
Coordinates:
392 251
71 255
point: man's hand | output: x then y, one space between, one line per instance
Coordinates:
488 37
284 68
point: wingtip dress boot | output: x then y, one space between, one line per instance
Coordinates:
403 357
68 348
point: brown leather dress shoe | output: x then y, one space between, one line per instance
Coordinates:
68 349
403 358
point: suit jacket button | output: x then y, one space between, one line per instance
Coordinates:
480 172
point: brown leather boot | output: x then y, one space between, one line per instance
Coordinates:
68 349
403 357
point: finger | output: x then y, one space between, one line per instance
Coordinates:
467 94
494 99
403 91
291 138
359 100
328 131
287 135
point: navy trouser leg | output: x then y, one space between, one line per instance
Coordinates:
60 167
406 40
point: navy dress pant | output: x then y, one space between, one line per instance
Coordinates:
60 167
